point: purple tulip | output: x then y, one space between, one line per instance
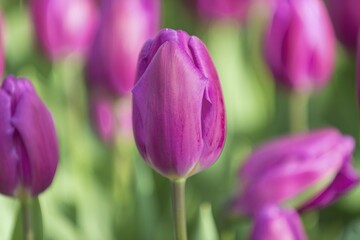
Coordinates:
223 9
300 45
274 223
101 111
346 20
28 143
64 27
284 168
111 118
178 107
124 28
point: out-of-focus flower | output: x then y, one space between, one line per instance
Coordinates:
274 223
124 27
178 108
111 117
28 142
285 168
223 9
64 27
346 21
300 45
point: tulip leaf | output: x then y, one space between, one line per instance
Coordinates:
206 225
36 222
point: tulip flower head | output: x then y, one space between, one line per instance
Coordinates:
283 169
125 25
178 107
346 20
28 148
274 223
64 27
300 45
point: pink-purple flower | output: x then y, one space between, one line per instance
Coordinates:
275 223
64 27
123 29
178 107
346 20
299 45
28 142
283 169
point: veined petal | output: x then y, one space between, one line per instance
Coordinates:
8 159
167 109
213 110
35 126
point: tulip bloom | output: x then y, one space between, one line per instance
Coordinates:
178 107
274 223
124 28
300 45
64 27
285 168
346 20
29 149
111 118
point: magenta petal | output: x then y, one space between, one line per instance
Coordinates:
213 109
274 223
167 112
345 180
34 124
8 161
292 164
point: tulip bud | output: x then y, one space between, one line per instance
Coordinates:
178 107
28 149
124 28
346 21
300 45
111 117
294 164
223 9
274 223
64 27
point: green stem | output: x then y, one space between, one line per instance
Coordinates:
25 202
298 112
179 211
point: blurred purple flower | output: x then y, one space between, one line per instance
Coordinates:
223 9
64 27
124 27
346 20
274 223
28 143
300 45
111 117
178 108
283 169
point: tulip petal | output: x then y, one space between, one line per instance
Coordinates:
345 180
292 164
273 223
34 124
8 160
213 109
167 107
